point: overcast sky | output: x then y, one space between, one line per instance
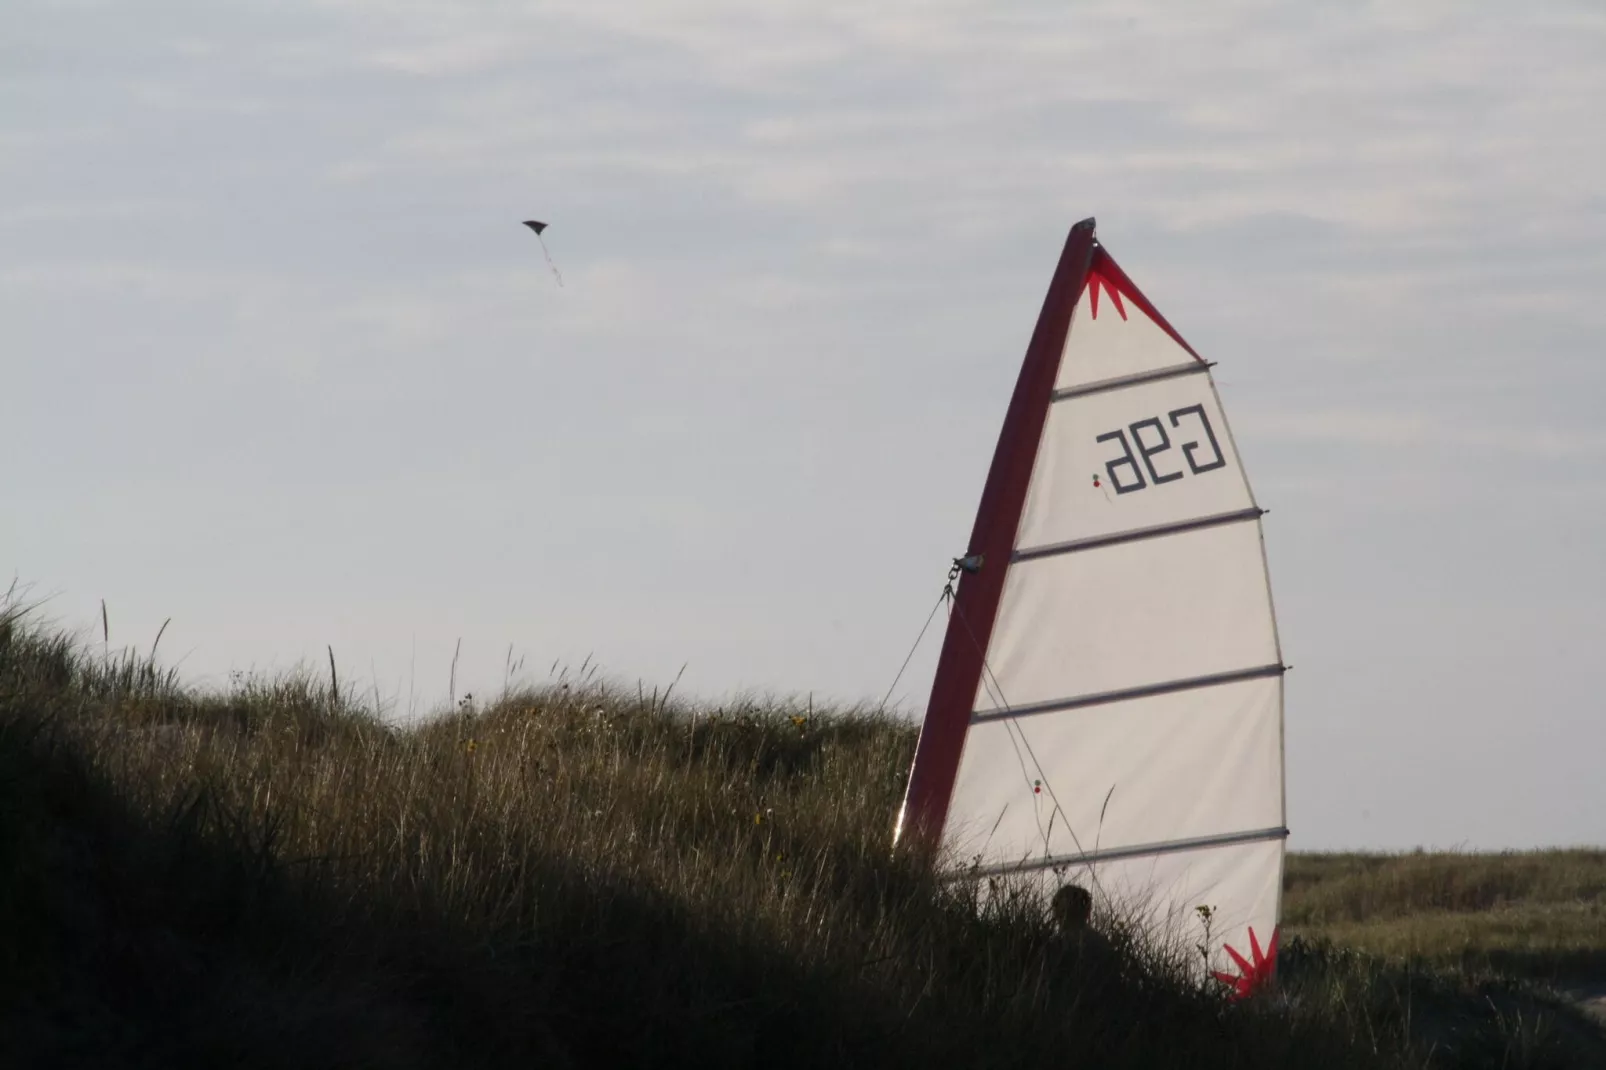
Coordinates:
278 361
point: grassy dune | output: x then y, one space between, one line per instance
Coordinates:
270 876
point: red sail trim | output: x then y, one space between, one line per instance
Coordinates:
1255 973
1094 282
1003 499
1104 270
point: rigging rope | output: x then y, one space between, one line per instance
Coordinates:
947 593
960 565
1012 721
1011 724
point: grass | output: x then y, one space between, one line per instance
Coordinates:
1535 914
270 876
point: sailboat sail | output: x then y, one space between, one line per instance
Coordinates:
1108 706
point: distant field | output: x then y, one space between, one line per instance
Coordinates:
1539 914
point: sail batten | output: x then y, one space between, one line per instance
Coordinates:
1117 382
1115 854
1106 698
1112 675
1153 531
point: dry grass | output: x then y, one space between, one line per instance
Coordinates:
272 877
1537 914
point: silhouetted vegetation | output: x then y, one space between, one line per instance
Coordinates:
271 876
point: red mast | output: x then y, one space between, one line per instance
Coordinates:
992 539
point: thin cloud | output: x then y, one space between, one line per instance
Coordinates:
1383 429
272 252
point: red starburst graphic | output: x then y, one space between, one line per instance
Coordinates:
1095 281
1251 976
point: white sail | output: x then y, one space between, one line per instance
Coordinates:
1124 727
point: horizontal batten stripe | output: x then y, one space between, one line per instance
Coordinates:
1093 542
1113 854
1193 367
1105 697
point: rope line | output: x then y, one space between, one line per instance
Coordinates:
1013 729
548 256
1013 721
947 592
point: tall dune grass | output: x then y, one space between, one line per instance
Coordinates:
270 875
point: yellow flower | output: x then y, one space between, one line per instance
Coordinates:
469 746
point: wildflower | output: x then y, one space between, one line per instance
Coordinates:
470 746
799 721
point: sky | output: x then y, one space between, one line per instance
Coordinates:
279 363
